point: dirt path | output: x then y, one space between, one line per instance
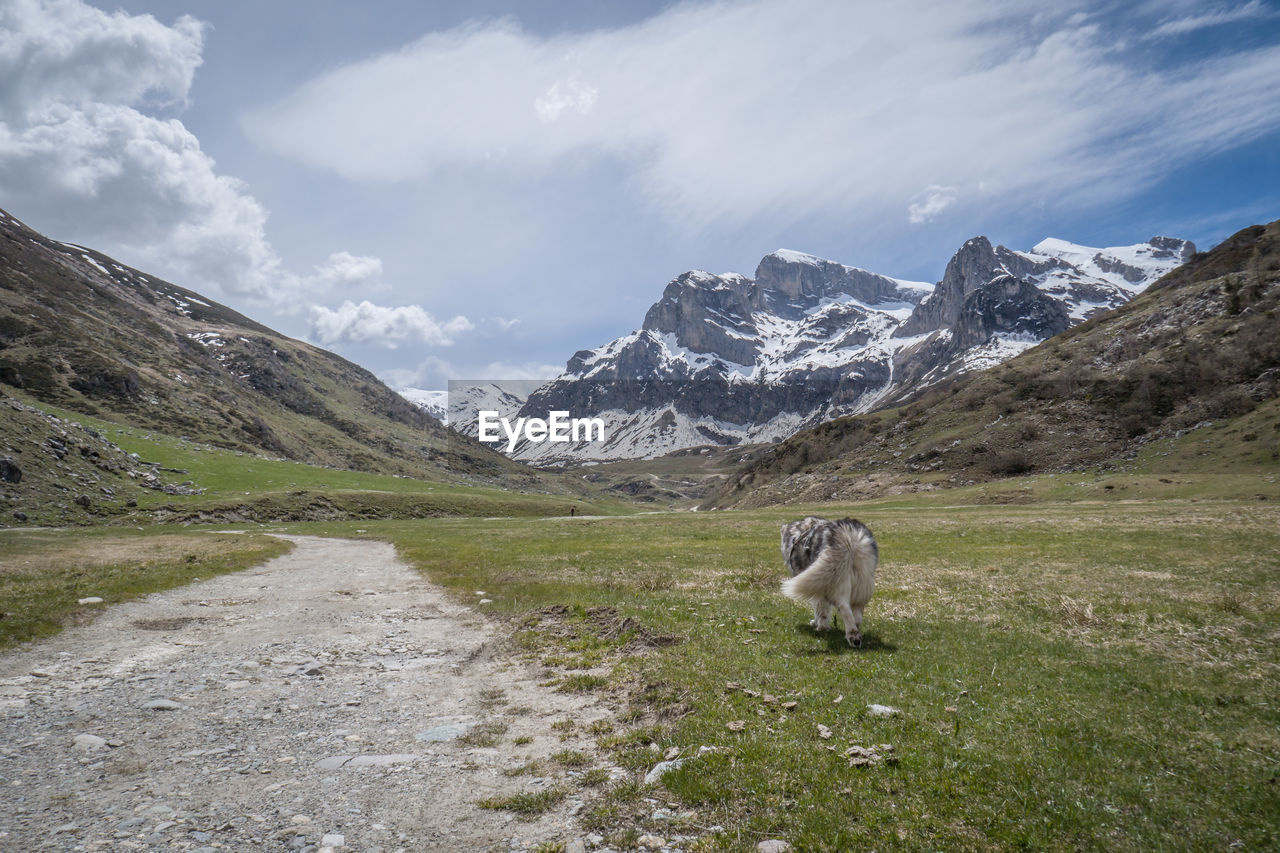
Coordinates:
330 692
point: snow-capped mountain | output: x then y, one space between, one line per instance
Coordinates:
434 403
992 302
458 407
725 359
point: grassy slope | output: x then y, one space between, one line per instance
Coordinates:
238 486
80 331
1096 675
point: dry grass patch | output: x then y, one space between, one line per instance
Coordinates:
44 574
42 551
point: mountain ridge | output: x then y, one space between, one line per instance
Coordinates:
1195 348
726 359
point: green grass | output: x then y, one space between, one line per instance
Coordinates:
44 573
527 804
1086 675
572 758
1095 672
229 477
487 734
237 486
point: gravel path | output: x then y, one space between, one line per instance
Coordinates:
320 701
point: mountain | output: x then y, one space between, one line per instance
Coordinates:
726 359
1199 348
83 332
434 403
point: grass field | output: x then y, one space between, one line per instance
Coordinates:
230 479
45 573
1098 674
1067 676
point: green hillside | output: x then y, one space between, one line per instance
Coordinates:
99 361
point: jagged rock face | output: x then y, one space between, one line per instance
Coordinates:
726 359
792 283
708 314
976 265
1008 306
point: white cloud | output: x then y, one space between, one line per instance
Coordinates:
936 199
366 322
563 95
63 51
783 109
432 374
504 324
89 152
1212 18
521 371
345 270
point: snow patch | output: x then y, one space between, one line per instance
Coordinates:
434 403
792 257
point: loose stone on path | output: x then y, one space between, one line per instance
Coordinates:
260 718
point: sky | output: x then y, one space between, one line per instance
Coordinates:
477 189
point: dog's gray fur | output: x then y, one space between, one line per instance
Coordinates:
832 564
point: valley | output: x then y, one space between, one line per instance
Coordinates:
1071 643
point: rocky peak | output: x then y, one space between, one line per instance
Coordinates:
726 358
794 282
1172 248
1008 307
720 314
708 313
976 265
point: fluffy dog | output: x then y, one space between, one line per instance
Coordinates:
833 564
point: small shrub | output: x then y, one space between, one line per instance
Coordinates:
1074 613
527 803
572 758
594 777
1009 463
486 734
581 683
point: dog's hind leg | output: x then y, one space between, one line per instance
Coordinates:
821 615
852 619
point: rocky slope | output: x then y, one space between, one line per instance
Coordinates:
726 359
81 331
70 471
1198 347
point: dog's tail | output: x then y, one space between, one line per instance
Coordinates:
846 567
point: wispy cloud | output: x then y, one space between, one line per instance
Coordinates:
503 324
725 112
389 326
1217 16
935 200
564 95
344 270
